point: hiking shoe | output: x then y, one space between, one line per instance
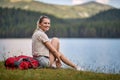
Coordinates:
79 68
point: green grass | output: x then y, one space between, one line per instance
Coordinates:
53 74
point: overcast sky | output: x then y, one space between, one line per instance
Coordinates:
114 3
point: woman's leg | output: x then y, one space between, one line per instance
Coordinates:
68 62
55 43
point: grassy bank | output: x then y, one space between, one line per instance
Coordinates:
53 74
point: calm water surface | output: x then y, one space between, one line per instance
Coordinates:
100 55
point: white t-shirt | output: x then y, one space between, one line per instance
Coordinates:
38 47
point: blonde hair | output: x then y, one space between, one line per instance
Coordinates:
40 20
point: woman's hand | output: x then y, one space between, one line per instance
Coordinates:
58 63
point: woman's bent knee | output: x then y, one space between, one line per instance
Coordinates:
55 39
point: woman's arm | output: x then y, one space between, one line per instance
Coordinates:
53 50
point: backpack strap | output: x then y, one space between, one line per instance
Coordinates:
17 63
28 59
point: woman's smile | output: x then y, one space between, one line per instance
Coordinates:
45 24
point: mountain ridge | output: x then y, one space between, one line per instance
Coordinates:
61 11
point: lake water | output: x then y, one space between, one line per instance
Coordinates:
99 55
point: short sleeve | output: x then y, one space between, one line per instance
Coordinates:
43 37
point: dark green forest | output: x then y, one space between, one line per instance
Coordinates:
17 23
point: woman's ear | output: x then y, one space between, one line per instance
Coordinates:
39 25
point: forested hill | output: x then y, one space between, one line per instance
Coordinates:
61 11
18 23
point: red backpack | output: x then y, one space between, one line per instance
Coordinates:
22 62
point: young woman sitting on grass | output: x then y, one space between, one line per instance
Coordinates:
46 51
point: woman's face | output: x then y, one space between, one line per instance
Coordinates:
45 24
